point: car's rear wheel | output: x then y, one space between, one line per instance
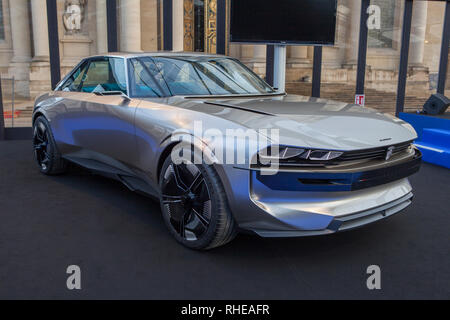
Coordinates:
194 205
46 154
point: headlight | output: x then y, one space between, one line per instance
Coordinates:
296 156
283 153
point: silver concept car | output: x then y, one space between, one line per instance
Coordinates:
332 166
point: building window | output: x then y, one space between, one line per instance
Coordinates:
383 38
2 26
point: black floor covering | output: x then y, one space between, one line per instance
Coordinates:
119 240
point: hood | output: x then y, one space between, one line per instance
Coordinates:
310 122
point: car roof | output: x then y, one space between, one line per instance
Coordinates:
128 55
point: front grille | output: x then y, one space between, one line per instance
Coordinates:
362 154
340 181
373 153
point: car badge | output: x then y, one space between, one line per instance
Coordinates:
389 152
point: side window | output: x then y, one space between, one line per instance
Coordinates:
74 81
146 80
106 74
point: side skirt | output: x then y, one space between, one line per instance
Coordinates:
132 182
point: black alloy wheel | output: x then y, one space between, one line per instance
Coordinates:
40 145
186 198
45 151
194 205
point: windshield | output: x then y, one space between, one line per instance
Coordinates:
164 76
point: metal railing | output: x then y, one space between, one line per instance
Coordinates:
12 79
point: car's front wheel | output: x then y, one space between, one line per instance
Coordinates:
194 205
46 154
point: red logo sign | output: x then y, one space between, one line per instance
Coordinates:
359 99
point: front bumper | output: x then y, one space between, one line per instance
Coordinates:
282 205
346 222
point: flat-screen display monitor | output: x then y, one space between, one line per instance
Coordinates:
309 22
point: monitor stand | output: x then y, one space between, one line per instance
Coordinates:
279 67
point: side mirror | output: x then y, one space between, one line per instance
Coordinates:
113 93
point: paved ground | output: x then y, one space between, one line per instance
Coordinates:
120 242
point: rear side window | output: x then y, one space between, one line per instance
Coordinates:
74 81
105 75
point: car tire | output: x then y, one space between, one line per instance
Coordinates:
221 227
46 153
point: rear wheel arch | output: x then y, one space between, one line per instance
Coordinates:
36 115
44 144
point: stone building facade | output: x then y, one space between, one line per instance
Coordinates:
24 52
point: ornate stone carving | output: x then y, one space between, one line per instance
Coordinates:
74 15
188 42
210 25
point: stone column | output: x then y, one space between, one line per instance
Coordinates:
418 26
130 21
299 64
40 66
235 50
259 52
102 33
149 27
20 32
351 45
258 62
40 30
247 54
298 57
178 25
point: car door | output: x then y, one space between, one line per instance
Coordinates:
97 126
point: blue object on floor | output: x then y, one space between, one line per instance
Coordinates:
433 137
